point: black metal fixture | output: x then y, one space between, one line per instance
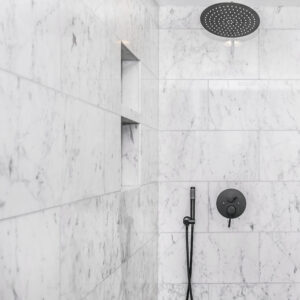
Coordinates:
230 19
187 221
231 203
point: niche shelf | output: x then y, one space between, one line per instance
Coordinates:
131 84
130 160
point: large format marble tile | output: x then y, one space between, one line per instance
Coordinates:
168 291
30 40
180 17
90 58
131 222
280 16
32 146
84 151
149 155
174 205
208 155
149 98
271 206
139 273
191 54
279 257
254 104
183 105
279 54
111 288
218 258
149 201
235 105
29 257
254 291
235 291
279 155
90 244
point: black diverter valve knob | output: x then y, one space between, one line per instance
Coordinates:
231 203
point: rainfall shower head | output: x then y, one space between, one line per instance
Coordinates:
229 19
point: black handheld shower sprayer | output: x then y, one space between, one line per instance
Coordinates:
187 221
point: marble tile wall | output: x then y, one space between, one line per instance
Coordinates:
229 118
67 228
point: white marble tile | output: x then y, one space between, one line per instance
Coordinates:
149 154
151 44
254 291
240 292
169 291
112 158
131 222
180 17
279 155
234 105
279 257
29 257
140 273
130 16
174 205
252 105
271 206
280 291
280 16
191 54
130 148
30 40
279 54
153 9
149 98
281 105
91 66
90 244
149 203
32 148
208 155
218 258
111 288
183 105
83 151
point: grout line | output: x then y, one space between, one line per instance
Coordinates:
259 258
155 236
225 39
231 130
99 107
232 232
234 283
72 202
228 181
230 79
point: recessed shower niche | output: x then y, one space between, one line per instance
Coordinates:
130 128
130 76
130 153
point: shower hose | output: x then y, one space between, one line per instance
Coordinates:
189 259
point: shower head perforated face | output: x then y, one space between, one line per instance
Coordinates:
230 20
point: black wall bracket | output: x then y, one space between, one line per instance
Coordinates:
231 203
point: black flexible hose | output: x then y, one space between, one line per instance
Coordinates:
189 260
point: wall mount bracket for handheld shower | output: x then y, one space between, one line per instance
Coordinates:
231 204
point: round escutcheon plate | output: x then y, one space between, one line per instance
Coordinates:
231 203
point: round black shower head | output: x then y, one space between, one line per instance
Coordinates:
229 19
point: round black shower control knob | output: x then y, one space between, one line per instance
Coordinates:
231 210
231 203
